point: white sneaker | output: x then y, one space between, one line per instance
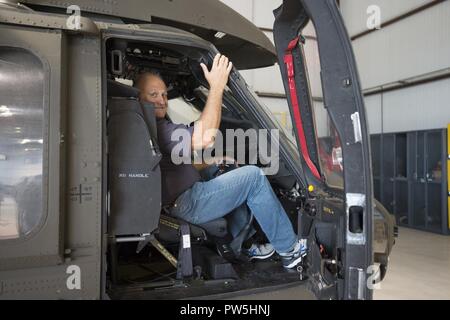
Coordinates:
293 258
259 251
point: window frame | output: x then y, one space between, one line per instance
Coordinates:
45 146
44 246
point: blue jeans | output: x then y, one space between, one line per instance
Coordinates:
240 216
214 199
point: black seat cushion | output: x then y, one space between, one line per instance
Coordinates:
168 229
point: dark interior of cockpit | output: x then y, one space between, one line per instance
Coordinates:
147 247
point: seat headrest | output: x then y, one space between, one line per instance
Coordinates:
117 89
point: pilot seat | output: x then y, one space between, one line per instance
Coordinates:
134 190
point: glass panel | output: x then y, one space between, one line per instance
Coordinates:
328 141
21 142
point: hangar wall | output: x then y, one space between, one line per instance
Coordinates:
266 82
412 50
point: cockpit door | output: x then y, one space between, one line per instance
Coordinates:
347 142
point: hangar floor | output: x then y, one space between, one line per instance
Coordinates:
419 269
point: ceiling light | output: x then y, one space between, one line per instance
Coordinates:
4 112
25 141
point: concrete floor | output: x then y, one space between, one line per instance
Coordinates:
419 269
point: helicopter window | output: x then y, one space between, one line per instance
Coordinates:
21 142
328 140
178 66
181 111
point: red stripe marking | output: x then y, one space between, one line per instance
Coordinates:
289 61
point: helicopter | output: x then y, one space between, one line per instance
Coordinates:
80 182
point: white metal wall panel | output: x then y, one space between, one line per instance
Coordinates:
260 12
248 76
270 36
411 47
313 65
355 14
280 111
417 108
263 12
373 113
309 30
245 8
321 120
275 104
268 80
265 79
417 45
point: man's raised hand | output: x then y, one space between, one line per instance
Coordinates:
217 77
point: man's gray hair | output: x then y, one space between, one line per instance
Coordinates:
148 73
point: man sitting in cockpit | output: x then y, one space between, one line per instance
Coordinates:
197 201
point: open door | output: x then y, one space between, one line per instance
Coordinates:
333 141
